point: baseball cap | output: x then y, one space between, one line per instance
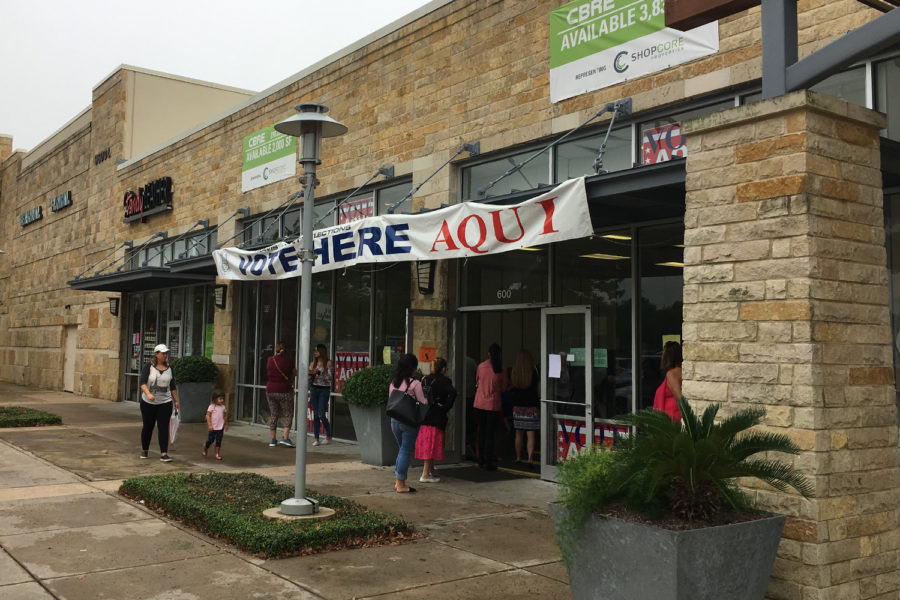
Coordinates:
160 348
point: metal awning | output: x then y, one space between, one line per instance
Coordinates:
195 265
642 193
139 280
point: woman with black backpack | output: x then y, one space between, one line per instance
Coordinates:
430 442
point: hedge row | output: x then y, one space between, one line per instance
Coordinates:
230 506
19 416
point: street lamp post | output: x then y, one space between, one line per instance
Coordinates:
310 125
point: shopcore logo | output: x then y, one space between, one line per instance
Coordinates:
618 64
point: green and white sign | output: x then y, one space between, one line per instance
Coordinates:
268 156
598 43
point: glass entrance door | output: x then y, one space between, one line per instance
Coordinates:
567 363
431 334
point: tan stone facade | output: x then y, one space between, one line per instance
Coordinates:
785 286
786 306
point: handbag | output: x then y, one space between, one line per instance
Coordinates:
405 408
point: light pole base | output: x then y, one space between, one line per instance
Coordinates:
299 506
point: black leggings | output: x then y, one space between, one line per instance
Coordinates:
487 421
214 436
159 415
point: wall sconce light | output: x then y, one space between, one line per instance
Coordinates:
114 306
425 273
221 292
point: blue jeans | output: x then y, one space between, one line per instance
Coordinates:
406 438
318 397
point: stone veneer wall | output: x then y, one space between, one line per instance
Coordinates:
786 306
469 70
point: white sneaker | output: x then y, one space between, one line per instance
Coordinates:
323 442
429 479
316 443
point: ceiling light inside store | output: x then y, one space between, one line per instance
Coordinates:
530 249
680 265
615 236
599 256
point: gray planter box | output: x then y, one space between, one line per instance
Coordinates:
621 560
194 400
377 445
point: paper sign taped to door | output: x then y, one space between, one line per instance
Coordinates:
553 368
427 354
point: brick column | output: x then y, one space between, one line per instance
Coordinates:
786 306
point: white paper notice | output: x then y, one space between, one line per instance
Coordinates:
570 358
554 366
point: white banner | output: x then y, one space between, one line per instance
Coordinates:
462 230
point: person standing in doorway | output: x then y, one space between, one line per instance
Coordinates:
405 434
321 377
280 373
158 393
526 404
492 381
669 391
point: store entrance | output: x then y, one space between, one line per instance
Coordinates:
512 330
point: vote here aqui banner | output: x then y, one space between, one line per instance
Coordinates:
463 230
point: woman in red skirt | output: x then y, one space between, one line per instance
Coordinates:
430 443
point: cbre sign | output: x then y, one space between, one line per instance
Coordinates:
154 197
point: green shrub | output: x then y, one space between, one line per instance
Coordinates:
19 416
230 506
194 369
368 387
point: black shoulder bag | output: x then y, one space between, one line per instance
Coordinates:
406 408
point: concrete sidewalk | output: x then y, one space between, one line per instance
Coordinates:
65 533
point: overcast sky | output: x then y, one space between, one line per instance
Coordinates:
53 52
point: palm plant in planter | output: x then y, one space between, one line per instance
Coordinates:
195 378
662 517
366 391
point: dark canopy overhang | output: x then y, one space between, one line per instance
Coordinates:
139 280
643 193
196 265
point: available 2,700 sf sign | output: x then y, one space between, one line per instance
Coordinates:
598 43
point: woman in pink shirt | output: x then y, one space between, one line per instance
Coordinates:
406 434
669 391
491 381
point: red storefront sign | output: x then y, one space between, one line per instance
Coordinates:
571 437
347 363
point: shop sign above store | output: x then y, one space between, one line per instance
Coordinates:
459 231
61 201
661 144
155 197
598 43
30 216
268 156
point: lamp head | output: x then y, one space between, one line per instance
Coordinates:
310 124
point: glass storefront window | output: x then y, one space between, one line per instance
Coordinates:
392 293
249 341
390 196
848 85
887 95
134 342
532 175
576 158
597 273
353 290
291 223
661 264
517 277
